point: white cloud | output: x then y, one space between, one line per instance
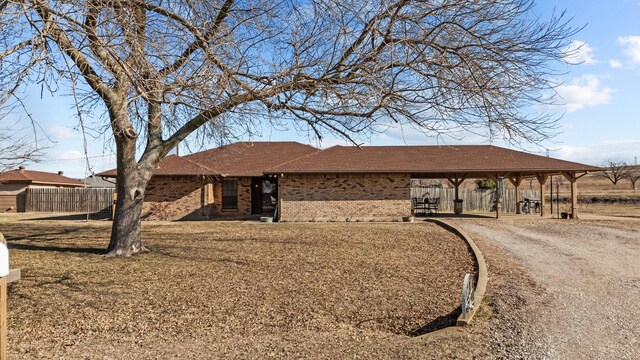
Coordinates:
66 155
630 46
597 153
579 52
329 141
615 64
575 153
584 91
61 133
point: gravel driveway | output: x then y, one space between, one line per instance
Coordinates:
589 273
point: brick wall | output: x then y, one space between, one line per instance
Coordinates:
192 198
173 198
357 197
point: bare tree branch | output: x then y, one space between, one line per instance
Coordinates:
15 150
164 72
633 175
615 171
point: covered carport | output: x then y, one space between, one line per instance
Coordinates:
459 163
362 183
515 177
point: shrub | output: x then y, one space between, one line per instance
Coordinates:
485 184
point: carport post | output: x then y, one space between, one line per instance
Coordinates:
574 199
499 184
542 179
457 181
516 183
573 179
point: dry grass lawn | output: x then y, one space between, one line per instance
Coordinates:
231 289
625 211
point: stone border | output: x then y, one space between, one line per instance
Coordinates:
481 285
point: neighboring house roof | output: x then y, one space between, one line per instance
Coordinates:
173 165
97 182
37 177
425 160
250 158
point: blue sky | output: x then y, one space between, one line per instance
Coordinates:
601 97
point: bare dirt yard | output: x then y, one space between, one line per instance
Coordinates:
572 291
625 211
239 290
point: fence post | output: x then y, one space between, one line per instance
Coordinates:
113 207
4 271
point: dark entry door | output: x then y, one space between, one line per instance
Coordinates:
256 195
269 195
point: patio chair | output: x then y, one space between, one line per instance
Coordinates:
418 206
433 205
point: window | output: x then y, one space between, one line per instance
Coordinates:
229 194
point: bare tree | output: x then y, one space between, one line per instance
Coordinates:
14 151
164 71
15 148
633 174
558 183
615 171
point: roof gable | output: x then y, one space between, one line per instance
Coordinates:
173 165
250 158
237 159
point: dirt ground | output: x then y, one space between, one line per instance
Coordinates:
237 290
557 289
578 296
625 211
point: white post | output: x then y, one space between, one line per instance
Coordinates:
4 271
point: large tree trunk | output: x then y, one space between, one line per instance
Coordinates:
125 231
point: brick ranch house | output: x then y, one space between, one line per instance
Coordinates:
15 183
227 182
297 182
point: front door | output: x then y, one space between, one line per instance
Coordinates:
264 195
256 195
269 195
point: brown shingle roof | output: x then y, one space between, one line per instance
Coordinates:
37 177
424 159
250 158
173 165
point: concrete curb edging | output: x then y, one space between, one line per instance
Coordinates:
481 285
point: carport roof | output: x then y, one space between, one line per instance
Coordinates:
427 161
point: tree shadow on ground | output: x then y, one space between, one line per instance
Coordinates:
74 217
63 249
455 216
438 323
41 236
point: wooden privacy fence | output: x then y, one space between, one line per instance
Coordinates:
75 200
473 199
